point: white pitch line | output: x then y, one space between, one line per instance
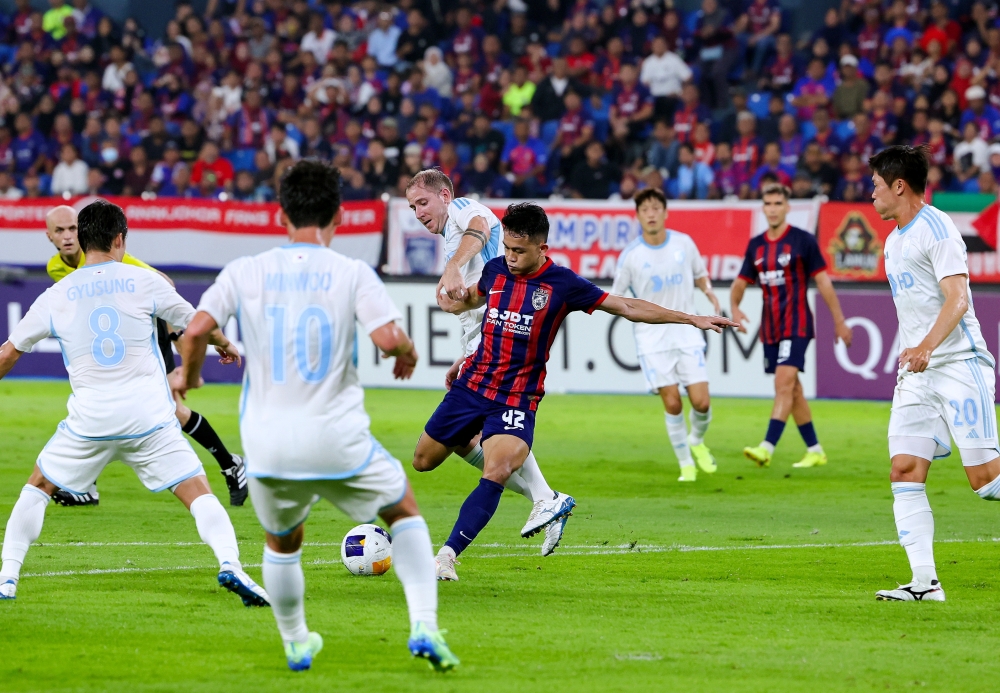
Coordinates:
619 549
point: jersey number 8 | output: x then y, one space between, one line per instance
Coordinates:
314 320
104 323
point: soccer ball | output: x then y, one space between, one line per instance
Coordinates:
367 550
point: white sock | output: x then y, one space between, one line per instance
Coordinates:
413 559
915 525
699 425
216 530
990 491
534 481
477 460
817 448
286 586
677 432
23 528
93 491
767 446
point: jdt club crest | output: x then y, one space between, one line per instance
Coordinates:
540 298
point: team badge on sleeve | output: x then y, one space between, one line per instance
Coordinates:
540 298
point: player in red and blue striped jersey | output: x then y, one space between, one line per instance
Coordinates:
526 297
782 259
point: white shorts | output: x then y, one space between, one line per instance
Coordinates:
954 400
677 366
284 504
161 460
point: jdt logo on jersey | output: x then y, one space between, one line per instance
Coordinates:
900 283
772 278
666 280
510 321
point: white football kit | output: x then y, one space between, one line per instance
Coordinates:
303 422
461 211
103 317
955 394
665 275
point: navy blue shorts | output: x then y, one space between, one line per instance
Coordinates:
463 413
787 352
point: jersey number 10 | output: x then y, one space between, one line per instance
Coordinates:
314 322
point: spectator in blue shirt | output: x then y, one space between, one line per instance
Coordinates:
693 177
383 39
29 147
985 116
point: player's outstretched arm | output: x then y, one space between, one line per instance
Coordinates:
393 341
474 239
735 298
473 299
825 288
637 310
8 357
956 303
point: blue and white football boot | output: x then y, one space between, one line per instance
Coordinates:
545 512
8 590
242 585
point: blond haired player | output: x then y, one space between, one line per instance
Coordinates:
472 236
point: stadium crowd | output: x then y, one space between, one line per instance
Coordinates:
511 98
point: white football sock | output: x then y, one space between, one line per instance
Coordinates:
216 529
767 446
23 528
817 448
286 586
915 525
699 425
413 559
677 432
534 481
990 491
514 483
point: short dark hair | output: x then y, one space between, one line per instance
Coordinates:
901 161
526 220
310 193
98 224
650 194
775 189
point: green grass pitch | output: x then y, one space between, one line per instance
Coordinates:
748 580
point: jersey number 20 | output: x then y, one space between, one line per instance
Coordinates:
313 319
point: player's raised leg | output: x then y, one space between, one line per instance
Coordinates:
23 528
216 530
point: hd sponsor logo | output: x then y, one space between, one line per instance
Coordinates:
510 321
855 247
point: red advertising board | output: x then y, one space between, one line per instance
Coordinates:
194 215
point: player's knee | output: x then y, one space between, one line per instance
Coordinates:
700 403
422 463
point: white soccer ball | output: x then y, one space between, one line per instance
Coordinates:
367 550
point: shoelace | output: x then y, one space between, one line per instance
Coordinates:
536 510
